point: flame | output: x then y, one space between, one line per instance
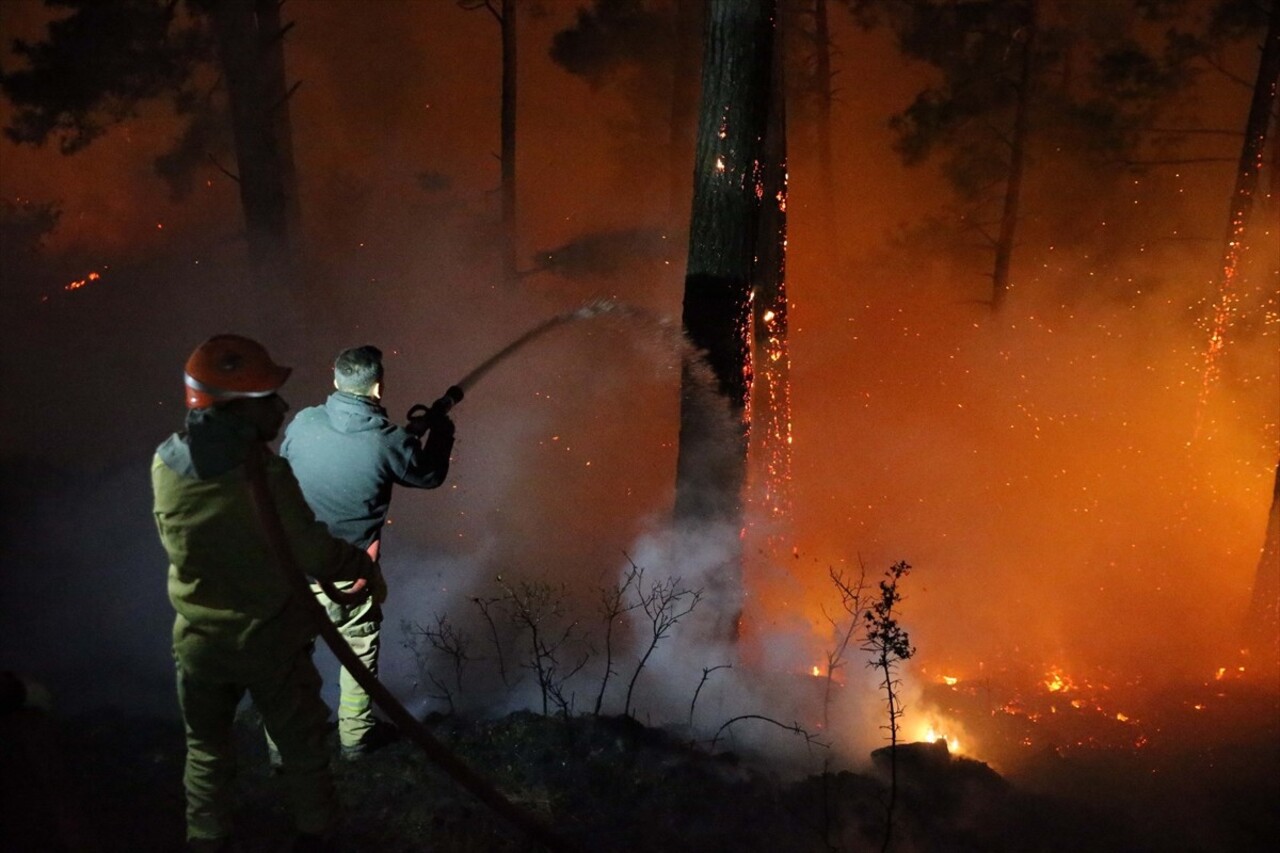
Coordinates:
816 672
1057 682
950 680
932 736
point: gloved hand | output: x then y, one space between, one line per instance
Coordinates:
423 418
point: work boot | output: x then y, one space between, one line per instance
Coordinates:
376 738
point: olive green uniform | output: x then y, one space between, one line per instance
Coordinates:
239 627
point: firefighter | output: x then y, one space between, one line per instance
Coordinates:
239 626
347 456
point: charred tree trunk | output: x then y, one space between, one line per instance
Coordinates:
723 230
508 155
1262 624
1017 161
1247 173
259 160
770 394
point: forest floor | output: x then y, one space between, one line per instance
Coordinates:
113 782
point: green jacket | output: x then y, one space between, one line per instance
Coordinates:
237 619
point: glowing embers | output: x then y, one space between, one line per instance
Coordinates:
79 283
1057 682
1019 711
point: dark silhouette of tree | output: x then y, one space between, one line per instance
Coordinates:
248 35
1022 82
1240 209
648 50
106 57
504 12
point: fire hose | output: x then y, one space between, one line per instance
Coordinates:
442 756
456 391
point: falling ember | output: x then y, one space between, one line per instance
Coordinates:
76 285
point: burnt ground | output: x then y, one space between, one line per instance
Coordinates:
113 782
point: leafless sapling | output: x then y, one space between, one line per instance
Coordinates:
844 627
706 671
446 640
485 606
538 608
665 603
889 645
613 606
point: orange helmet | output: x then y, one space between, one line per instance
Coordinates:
227 367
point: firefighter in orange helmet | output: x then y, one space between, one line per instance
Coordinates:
239 626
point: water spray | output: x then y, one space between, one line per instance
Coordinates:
457 391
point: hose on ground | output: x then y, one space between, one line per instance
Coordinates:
442 756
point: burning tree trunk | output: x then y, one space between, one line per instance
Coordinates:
723 231
244 38
1262 624
770 393
1251 155
1017 158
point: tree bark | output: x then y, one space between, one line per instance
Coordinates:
1017 161
711 468
769 455
259 161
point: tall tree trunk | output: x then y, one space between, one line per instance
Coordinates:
770 395
258 156
1262 622
1241 207
278 93
508 155
723 230
1017 161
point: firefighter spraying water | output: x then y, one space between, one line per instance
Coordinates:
347 456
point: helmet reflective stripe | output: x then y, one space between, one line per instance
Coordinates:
221 394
